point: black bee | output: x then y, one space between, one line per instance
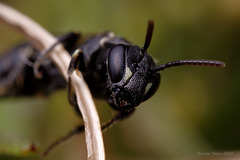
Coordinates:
114 69
122 73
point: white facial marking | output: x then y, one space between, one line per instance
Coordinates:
128 74
149 85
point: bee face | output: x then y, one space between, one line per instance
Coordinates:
130 79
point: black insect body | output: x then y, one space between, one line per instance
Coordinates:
116 70
129 79
17 77
132 76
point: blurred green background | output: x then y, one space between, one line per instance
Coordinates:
195 109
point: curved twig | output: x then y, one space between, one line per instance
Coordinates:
42 40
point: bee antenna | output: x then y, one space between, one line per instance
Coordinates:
207 63
148 35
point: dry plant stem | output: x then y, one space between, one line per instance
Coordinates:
41 39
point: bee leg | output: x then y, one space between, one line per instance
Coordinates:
117 118
79 129
59 141
76 62
72 97
74 65
68 40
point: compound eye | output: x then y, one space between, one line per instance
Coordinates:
116 63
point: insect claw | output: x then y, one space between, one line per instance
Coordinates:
36 72
72 37
70 71
74 61
44 55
